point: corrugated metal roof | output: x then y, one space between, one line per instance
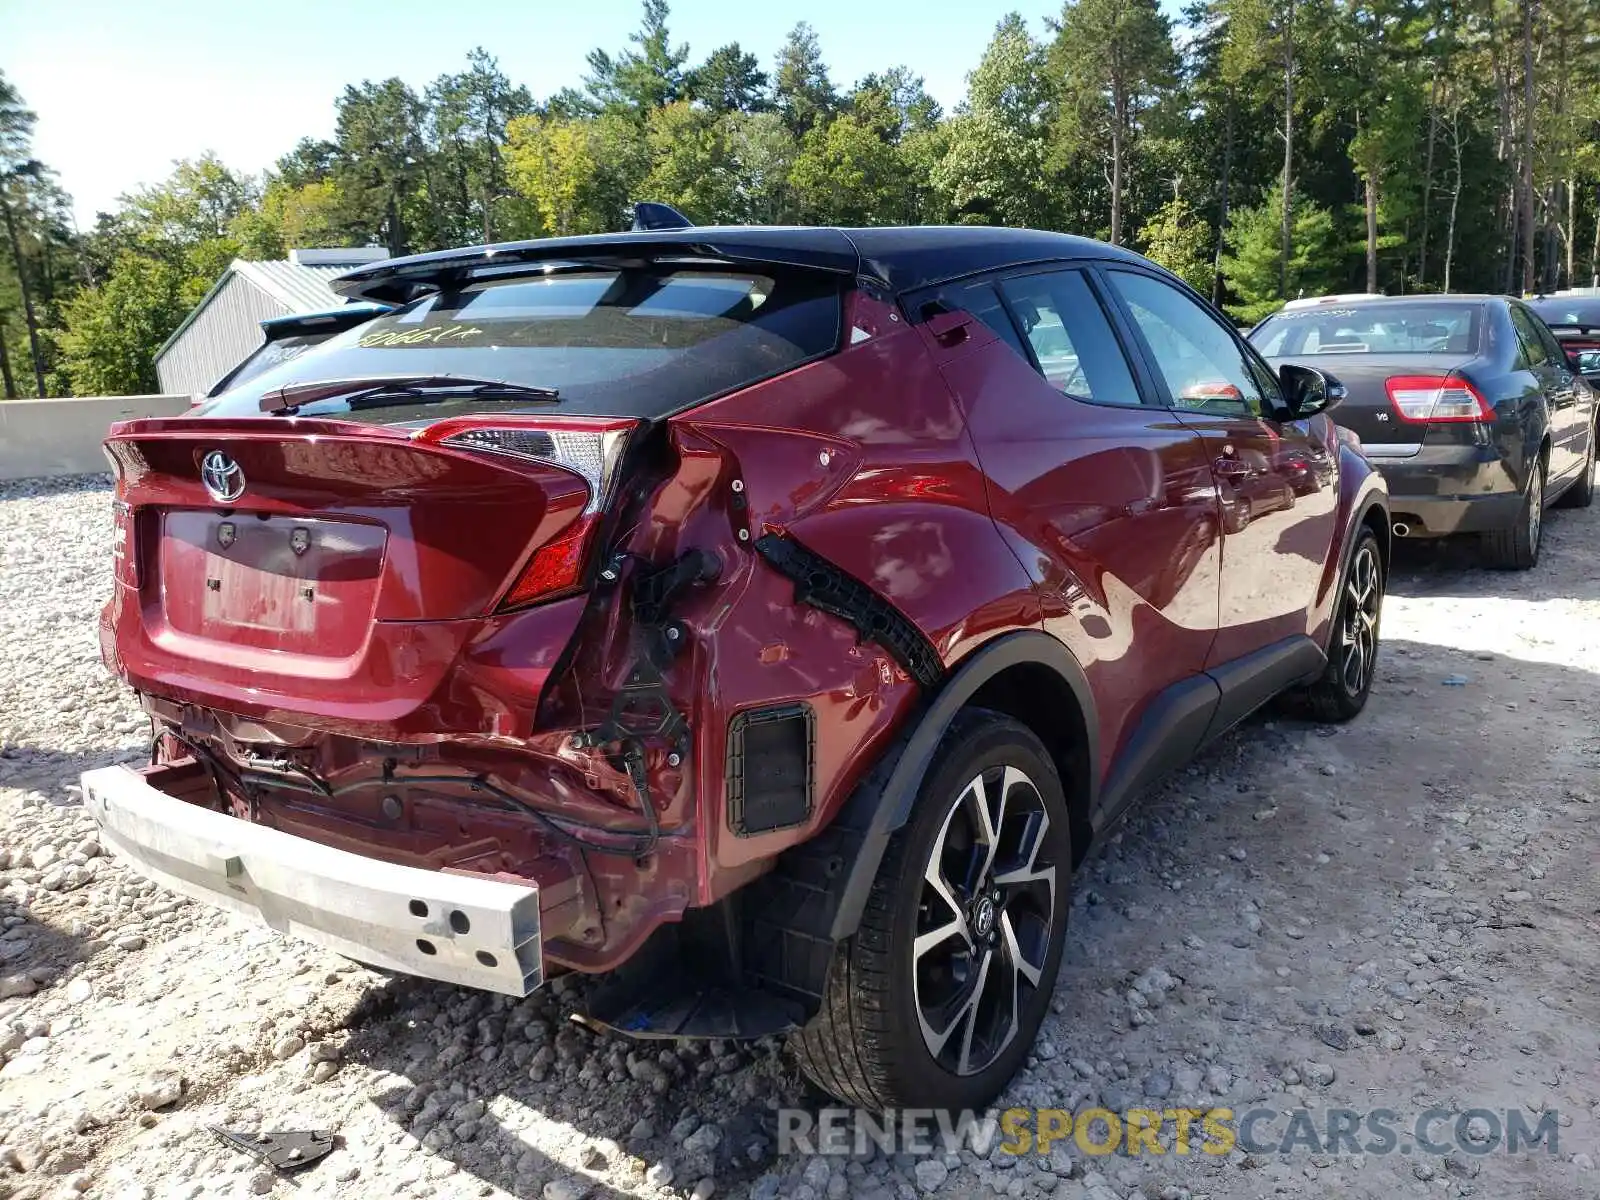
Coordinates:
295 288
300 289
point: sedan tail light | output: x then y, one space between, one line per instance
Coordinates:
1424 399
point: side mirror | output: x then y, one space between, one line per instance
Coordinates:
1308 391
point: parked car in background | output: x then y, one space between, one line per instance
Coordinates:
1574 317
767 618
1467 404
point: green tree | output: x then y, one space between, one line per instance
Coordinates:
1262 34
315 213
895 103
18 170
1113 59
801 89
1252 262
579 173
1378 44
691 166
1179 240
467 117
114 328
993 170
763 153
380 164
846 174
729 81
647 75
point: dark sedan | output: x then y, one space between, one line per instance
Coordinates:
1574 317
1469 406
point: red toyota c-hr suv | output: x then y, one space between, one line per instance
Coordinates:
766 618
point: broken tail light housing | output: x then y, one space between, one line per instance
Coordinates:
1430 399
124 552
590 449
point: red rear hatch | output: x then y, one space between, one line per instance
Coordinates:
336 569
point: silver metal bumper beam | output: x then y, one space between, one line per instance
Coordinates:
477 932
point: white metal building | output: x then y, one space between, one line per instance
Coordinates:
226 325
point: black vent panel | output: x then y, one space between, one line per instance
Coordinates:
771 768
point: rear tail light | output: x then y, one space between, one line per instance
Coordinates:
555 568
125 560
1423 399
590 449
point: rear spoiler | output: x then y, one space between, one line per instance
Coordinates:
335 320
397 280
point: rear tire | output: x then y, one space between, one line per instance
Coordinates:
936 999
1517 548
1581 493
1346 682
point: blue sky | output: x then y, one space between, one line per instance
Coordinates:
123 88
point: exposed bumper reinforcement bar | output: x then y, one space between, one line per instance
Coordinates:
477 932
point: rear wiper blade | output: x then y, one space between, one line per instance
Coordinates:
364 391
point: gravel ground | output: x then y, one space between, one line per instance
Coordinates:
1403 913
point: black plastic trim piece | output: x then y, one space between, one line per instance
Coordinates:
822 585
1171 729
740 818
883 802
1249 681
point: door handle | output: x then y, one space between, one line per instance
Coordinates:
1230 468
949 328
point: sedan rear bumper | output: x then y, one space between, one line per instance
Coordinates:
463 929
1440 490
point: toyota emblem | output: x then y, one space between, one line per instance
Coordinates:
222 477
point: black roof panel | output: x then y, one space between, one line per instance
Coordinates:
903 257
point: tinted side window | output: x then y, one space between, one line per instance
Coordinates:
1552 348
1202 365
1071 337
1533 351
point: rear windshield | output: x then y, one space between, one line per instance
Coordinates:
1564 310
638 341
266 357
1405 328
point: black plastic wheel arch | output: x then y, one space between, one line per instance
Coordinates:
874 812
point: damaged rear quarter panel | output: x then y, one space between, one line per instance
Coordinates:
864 459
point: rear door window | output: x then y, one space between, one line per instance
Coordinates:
626 341
1534 353
1552 348
1071 338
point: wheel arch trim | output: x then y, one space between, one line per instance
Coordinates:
879 812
